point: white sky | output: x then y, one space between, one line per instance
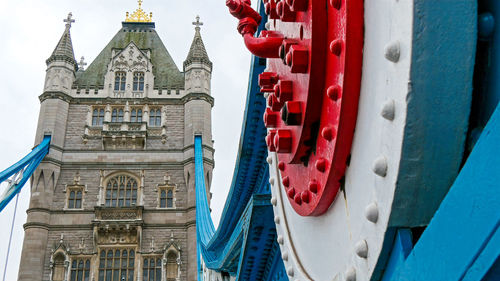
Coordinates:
30 30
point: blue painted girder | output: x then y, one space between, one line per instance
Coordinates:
462 242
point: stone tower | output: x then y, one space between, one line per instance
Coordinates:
114 199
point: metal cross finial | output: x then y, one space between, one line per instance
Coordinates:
197 23
82 63
69 20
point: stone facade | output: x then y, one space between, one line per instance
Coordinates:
115 198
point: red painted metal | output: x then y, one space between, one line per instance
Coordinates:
313 84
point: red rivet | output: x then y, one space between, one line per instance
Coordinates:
286 181
270 140
336 47
291 192
306 196
327 133
321 165
273 103
283 141
299 59
336 4
270 118
334 92
288 59
281 166
270 9
297 199
313 186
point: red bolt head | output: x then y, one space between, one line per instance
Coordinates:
334 92
336 4
284 90
321 165
281 166
273 103
291 113
297 5
297 199
313 186
285 47
284 12
267 80
283 141
270 118
270 9
336 47
286 181
299 60
270 140
306 196
291 192
327 133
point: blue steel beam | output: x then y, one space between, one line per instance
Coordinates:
23 168
462 241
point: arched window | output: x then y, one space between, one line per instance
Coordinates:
58 272
138 81
75 199
163 199
120 78
116 265
117 115
151 270
136 115
155 117
80 270
97 117
172 266
121 191
170 198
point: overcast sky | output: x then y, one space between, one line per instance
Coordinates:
30 30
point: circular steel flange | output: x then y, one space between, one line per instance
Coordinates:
314 90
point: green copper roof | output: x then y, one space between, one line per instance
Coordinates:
166 73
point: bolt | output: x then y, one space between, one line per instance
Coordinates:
380 166
314 186
297 199
336 4
336 47
334 92
283 141
286 181
291 113
297 5
306 196
270 118
270 9
361 249
270 140
371 212
486 25
393 51
291 192
284 12
327 133
273 103
281 166
267 80
321 165
285 48
284 91
299 59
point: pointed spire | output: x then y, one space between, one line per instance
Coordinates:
64 49
197 52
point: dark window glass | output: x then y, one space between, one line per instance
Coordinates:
170 198
114 115
116 267
151 270
120 79
138 84
75 199
80 270
133 115
155 118
120 115
121 191
163 199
